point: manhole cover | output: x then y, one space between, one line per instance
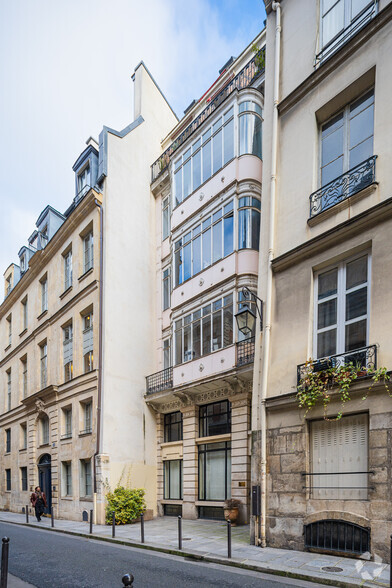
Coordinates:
332 569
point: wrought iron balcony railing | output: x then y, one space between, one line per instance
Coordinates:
245 351
365 357
242 80
349 183
162 380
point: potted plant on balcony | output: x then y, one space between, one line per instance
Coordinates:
231 510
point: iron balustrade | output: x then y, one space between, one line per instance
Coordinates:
337 536
349 183
243 79
245 351
337 487
159 381
86 431
365 16
365 357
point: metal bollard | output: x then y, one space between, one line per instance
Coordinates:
113 524
27 513
4 562
229 539
91 522
51 516
127 580
390 566
179 532
142 528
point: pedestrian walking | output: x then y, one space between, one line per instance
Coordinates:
38 501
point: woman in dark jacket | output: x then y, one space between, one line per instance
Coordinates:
38 500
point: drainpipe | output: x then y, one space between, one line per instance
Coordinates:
100 367
268 304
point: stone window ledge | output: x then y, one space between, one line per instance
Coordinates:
42 314
86 499
65 292
8 347
213 439
87 273
209 503
171 501
23 332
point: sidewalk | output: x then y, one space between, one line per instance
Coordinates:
207 540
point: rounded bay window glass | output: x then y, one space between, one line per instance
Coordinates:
250 119
249 223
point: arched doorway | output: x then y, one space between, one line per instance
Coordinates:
45 478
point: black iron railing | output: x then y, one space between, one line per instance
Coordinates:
242 80
245 351
86 431
345 35
337 536
162 380
365 357
349 183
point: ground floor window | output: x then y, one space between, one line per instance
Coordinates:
215 471
23 479
8 480
173 479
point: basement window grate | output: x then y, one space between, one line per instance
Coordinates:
337 536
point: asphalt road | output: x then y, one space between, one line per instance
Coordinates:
45 558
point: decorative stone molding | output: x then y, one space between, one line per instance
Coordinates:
349 517
201 196
201 367
170 406
40 406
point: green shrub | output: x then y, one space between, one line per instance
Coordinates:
126 503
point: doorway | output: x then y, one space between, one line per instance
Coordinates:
45 479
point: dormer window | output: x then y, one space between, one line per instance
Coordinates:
84 181
8 285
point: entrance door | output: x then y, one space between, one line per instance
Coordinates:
45 479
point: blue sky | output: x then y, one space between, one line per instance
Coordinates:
65 71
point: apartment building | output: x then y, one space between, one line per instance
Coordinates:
325 258
207 190
74 352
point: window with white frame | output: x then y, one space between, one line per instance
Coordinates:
205 330
204 244
347 138
166 288
23 479
67 423
88 342
167 361
23 362
84 181
44 430
68 270
66 482
342 18
85 478
68 352
9 329
23 265
165 218
338 448
249 223
23 436
24 314
207 155
88 252
173 479
44 364
87 414
44 294
342 303
250 123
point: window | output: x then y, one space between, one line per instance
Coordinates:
215 419
24 376
9 386
249 223
347 141
173 427
87 417
23 479
250 119
88 252
8 440
337 448
44 430
215 471
44 365
23 265
66 485
207 155
165 218
342 308
340 19
173 479
24 314
68 270
8 480
44 294
68 353
205 244
205 330
85 477
23 436
166 288
67 423
84 181
8 285
9 330
88 343
167 359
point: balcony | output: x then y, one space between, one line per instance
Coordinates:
346 185
243 79
245 351
159 381
365 357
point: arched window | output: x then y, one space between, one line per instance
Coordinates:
249 223
250 115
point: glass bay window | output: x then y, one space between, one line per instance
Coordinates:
250 121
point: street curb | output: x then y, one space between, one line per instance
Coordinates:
196 556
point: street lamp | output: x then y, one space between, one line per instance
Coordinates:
245 317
